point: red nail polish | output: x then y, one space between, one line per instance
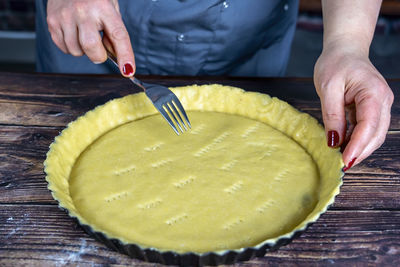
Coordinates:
333 139
349 165
127 69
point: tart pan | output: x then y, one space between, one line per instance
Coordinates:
301 127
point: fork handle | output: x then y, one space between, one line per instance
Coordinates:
113 59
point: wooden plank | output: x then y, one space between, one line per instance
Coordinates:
373 184
22 153
55 100
27 99
43 234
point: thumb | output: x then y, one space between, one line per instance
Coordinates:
333 114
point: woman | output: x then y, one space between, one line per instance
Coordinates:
216 37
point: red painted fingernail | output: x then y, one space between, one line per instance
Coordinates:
127 69
333 139
349 165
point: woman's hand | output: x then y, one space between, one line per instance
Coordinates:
75 27
347 83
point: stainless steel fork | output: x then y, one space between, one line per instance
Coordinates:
164 100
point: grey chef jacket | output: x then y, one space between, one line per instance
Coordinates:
191 37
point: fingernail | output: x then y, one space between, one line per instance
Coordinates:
333 139
127 69
349 165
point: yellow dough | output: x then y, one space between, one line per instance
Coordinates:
229 182
252 169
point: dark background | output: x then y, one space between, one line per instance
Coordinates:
17 38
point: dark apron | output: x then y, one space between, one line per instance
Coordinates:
191 37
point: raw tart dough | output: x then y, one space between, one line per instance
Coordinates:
251 170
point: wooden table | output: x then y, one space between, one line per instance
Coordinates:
361 228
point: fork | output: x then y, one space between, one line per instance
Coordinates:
163 99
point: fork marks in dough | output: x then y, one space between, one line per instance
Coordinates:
229 165
184 182
198 129
177 219
268 152
279 177
125 170
251 130
116 196
211 145
161 163
267 204
233 223
153 147
150 204
235 187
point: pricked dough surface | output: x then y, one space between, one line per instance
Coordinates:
230 182
253 171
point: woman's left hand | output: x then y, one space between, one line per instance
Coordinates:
348 84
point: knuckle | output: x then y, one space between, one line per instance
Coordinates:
89 44
52 22
65 14
372 100
329 84
332 116
119 33
380 89
81 9
102 5
79 5
326 84
390 97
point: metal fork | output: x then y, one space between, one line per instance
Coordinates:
163 99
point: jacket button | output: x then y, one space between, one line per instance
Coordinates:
286 7
181 37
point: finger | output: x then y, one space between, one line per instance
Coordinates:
107 43
368 113
71 40
56 34
116 5
333 113
380 135
119 37
350 111
90 41
58 39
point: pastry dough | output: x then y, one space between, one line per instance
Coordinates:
251 170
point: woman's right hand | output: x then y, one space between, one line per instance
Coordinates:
75 27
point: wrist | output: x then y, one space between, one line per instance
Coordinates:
347 44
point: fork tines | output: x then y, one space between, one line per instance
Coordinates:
170 109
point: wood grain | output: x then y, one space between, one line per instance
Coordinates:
55 100
361 228
66 100
40 234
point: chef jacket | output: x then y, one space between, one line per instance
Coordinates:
190 37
